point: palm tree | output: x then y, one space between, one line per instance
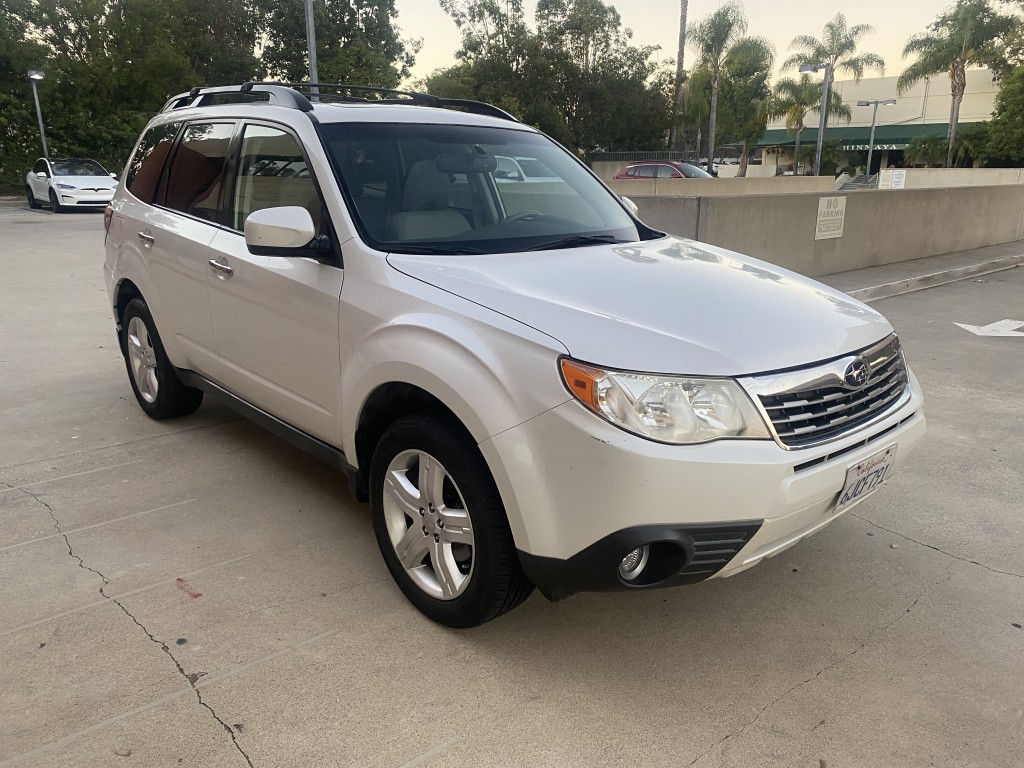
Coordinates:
684 7
962 36
837 48
793 99
712 38
925 150
832 154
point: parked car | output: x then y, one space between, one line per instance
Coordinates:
528 169
530 389
662 169
69 183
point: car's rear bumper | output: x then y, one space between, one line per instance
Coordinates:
581 494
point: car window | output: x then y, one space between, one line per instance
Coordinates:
534 168
647 171
693 172
143 171
667 172
631 171
196 174
437 188
78 168
272 172
40 167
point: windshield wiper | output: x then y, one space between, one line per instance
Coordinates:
577 241
439 250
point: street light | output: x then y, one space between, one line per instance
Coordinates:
826 84
35 75
874 119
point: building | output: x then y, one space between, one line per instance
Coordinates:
923 110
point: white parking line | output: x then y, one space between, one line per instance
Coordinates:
97 525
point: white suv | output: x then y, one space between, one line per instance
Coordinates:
529 385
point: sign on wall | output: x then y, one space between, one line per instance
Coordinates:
831 217
899 179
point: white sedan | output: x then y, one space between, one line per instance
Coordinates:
71 183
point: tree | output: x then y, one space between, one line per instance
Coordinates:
712 38
963 36
833 156
972 144
925 150
793 99
1006 132
837 48
745 94
678 93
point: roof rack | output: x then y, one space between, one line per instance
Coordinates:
289 95
278 93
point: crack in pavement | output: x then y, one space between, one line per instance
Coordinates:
937 549
841 660
88 282
162 645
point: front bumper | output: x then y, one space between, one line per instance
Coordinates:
84 198
581 494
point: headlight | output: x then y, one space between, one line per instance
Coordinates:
66 186
670 409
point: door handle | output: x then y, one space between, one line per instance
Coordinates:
223 269
147 238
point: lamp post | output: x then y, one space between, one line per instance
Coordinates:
826 84
874 119
35 75
314 77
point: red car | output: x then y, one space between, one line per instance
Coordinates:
662 169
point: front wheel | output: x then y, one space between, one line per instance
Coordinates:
54 203
440 524
32 202
157 387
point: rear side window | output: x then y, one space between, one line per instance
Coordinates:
272 172
647 171
631 171
196 176
143 171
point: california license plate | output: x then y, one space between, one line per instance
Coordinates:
865 478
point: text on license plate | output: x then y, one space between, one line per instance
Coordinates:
865 478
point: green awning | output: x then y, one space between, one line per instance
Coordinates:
886 136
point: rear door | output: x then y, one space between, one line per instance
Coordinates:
276 318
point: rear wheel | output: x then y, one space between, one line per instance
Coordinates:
440 524
157 387
32 202
55 204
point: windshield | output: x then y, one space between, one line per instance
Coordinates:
78 168
693 172
418 188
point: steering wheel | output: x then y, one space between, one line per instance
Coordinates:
522 216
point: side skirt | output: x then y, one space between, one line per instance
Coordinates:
326 452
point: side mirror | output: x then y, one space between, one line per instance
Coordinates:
284 231
113 175
40 175
631 206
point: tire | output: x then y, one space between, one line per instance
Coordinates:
54 205
477 582
32 202
157 387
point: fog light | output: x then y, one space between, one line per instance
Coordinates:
633 564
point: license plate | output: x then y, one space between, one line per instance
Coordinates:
865 478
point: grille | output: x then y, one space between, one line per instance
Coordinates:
715 547
803 417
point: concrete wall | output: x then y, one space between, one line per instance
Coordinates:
881 227
936 178
606 169
776 185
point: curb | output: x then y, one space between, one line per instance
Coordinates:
920 283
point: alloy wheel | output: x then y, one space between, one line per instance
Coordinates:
142 357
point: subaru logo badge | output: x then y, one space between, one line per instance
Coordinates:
857 374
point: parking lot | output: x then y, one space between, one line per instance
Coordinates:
246 616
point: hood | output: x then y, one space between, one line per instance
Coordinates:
87 182
661 306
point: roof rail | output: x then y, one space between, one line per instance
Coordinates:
401 97
278 93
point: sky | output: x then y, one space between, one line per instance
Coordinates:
656 22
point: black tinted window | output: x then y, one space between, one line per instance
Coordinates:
143 171
40 167
196 176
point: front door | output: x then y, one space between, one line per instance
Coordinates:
276 318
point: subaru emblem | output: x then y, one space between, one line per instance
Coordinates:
857 374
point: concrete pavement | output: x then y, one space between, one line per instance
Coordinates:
198 592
